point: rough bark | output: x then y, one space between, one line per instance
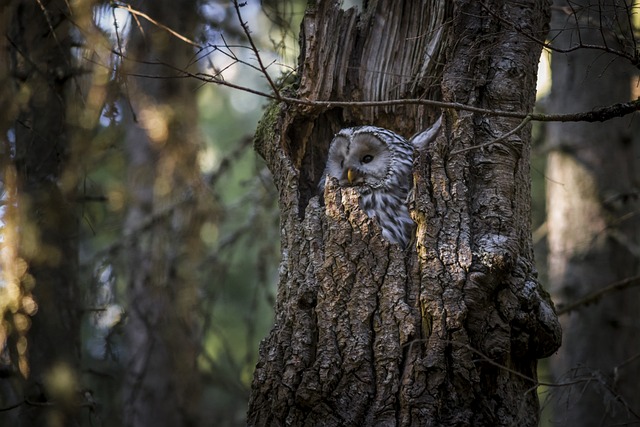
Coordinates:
164 220
35 97
449 331
593 223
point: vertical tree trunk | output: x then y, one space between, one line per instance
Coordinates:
43 209
592 221
163 224
449 331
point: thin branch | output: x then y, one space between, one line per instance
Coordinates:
125 83
601 114
117 32
629 13
49 24
596 295
228 160
133 11
500 138
230 54
245 28
633 59
42 404
620 109
627 362
598 115
492 362
601 26
595 375
13 406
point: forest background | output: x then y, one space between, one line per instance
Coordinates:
212 233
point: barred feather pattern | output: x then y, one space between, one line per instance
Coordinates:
378 163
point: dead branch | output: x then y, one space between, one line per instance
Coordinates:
634 59
597 115
620 109
596 295
245 28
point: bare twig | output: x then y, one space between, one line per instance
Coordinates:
633 59
627 362
13 406
245 28
601 114
596 295
592 376
125 83
133 11
492 362
629 13
500 138
598 115
41 404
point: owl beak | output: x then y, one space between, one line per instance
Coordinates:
351 176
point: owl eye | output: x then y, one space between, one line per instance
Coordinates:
367 158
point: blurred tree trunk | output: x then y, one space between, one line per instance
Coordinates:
36 91
163 223
592 204
449 331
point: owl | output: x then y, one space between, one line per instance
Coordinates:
379 164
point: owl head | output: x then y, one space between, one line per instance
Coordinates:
379 164
367 156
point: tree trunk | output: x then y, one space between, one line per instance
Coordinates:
36 94
447 332
593 223
161 385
